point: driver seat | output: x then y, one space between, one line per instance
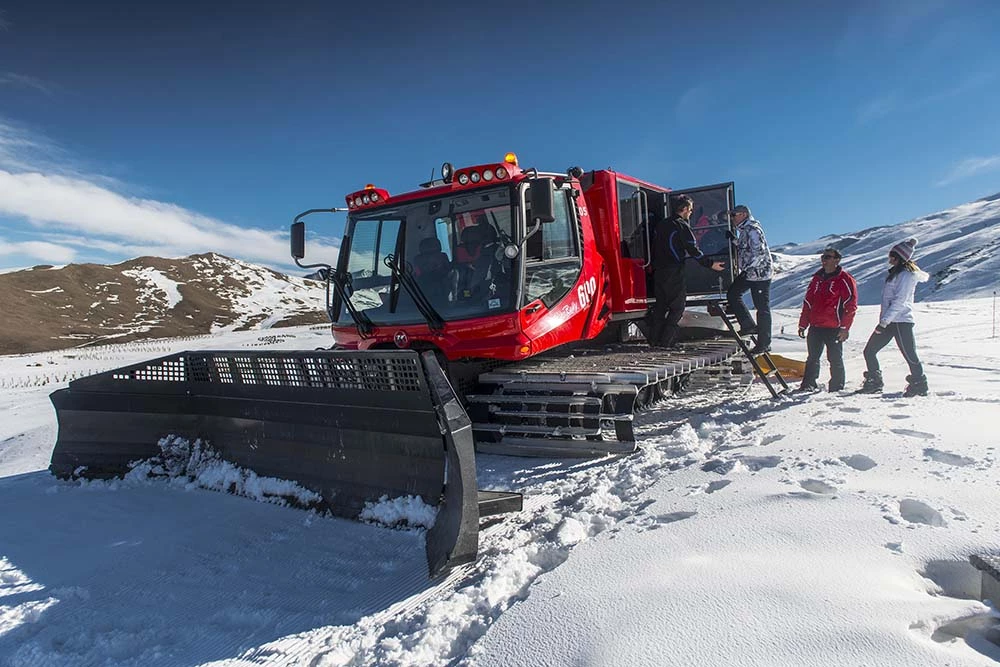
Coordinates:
430 260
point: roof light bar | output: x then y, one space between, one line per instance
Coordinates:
366 198
487 173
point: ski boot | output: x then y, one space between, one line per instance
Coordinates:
916 386
873 383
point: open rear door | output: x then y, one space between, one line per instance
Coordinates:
710 224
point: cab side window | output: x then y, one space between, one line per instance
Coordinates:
552 255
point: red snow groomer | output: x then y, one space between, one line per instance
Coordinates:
497 308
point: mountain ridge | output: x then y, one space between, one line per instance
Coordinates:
148 297
959 247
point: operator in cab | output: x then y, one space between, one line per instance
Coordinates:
673 244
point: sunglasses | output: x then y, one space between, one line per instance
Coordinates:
828 257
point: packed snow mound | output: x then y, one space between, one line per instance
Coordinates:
197 465
406 511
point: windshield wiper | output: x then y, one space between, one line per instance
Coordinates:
405 278
361 319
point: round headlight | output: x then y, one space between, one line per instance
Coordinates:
510 251
475 177
374 196
357 200
447 171
350 203
463 179
365 200
488 175
501 172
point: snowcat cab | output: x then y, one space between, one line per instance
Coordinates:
489 262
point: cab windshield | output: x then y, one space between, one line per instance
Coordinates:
452 247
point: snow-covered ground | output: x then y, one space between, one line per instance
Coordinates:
820 529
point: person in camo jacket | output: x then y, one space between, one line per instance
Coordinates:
755 272
827 313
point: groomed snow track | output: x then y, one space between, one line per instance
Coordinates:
581 401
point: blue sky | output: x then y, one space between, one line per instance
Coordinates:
178 128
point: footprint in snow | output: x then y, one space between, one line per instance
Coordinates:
711 487
895 547
717 485
915 511
948 457
844 422
851 410
718 466
818 486
913 434
756 463
671 517
899 416
660 520
859 462
770 439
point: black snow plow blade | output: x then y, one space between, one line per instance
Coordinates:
351 426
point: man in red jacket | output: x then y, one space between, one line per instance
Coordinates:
828 312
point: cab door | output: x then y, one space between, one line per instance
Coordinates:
710 224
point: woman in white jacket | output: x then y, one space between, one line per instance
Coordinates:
895 321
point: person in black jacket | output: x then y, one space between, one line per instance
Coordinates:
673 244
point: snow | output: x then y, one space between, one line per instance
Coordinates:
820 529
403 511
196 465
268 293
163 287
957 247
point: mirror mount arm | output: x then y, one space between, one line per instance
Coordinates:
361 320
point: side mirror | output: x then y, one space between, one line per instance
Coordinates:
542 199
298 240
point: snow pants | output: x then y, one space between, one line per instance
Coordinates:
670 291
902 332
817 339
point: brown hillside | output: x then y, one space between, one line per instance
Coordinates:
83 304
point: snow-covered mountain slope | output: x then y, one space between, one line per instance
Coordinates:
149 297
959 248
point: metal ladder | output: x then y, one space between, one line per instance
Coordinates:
767 376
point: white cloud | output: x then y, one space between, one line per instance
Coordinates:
40 185
50 253
15 79
22 149
969 167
